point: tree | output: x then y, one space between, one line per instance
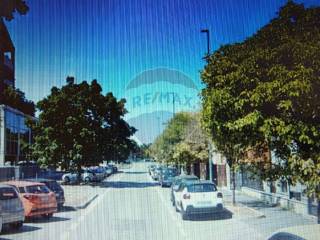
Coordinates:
193 147
265 92
9 7
183 142
79 126
163 147
15 98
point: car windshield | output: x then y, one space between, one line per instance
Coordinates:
37 189
7 193
201 188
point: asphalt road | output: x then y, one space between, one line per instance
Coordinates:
131 206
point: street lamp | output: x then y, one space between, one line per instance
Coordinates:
206 31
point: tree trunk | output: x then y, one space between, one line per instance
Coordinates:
318 211
233 188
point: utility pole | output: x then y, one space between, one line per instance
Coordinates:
206 31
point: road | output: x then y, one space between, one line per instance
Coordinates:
131 206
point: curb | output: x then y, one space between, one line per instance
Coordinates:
87 203
83 206
257 212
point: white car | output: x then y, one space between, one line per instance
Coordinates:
198 197
86 176
11 207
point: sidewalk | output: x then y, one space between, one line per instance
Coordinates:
79 196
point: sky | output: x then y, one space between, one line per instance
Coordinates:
114 41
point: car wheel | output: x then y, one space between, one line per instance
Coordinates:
175 207
184 215
67 180
87 180
60 206
16 225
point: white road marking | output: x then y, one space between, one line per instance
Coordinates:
87 211
172 214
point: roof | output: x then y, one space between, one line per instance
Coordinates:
4 185
40 180
22 183
6 42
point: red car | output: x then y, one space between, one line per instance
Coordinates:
36 197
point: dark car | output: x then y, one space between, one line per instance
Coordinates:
178 181
167 176
54 187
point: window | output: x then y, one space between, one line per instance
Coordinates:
8 193
202 188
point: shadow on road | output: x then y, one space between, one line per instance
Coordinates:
124 184
47 220
135 172
226 214
67 209
25 228
258 204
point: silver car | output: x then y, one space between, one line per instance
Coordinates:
12 211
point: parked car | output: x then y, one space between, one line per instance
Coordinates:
156 173
114 168
151 168
109 170
99 173
166 177
11 207
72 177
310 232
200 197
177 182
54 187
36 197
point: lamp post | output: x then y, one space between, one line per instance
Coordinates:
206 31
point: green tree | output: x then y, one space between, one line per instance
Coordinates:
265 91
79 126
163 147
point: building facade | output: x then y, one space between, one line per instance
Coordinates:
7 58
14 134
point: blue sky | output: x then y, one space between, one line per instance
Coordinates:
113 41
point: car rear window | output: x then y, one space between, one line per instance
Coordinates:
202 188
53 186
37 189
8 193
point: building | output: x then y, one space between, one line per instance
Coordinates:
13 135
13 130
7 58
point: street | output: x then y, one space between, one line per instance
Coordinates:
132 206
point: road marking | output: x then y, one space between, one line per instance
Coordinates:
173 216
67 235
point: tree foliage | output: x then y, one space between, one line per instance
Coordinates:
79 126
9 7
265 91
16 99
182 142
